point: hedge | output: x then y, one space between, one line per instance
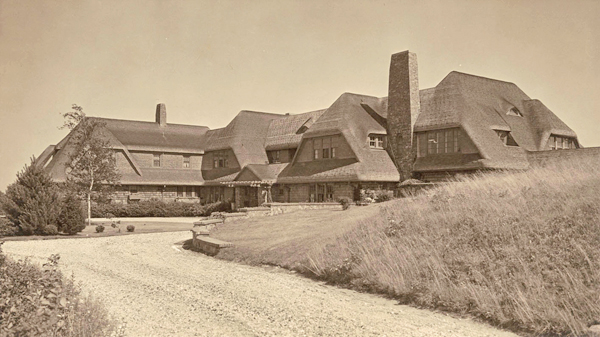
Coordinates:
157 208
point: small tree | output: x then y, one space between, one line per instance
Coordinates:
71 219
33 201
91 170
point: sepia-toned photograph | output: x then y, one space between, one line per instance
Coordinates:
300 168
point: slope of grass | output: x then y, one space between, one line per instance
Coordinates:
520 250
285 240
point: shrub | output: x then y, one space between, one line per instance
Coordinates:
130 228
99 229
71 219
33 201
345 202
157 208
50 230
7 228
41 302
383 195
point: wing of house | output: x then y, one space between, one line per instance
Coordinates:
464 124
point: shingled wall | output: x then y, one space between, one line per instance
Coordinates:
541 158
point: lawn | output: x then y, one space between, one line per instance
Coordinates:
519 250
90 231
287 239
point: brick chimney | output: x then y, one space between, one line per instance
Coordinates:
403 109
161 114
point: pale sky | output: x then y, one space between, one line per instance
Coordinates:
207 60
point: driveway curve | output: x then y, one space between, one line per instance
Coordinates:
159 289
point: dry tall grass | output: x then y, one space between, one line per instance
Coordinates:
521 250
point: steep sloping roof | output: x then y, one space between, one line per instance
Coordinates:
245 135
349 117
479 106
284 133
150 136
544 123
128 135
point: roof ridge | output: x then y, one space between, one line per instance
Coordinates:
145 122
479 76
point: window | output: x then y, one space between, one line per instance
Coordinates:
186 161
329 195
506 138
180 191
133 189
325 147
189 191
321 192
220 159
274 157
559 143
376 141
437 142
514 112
156 160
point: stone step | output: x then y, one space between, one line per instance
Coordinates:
208 222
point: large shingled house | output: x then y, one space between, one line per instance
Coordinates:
464 124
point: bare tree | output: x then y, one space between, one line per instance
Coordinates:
91 169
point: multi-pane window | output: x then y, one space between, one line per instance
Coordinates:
156 160
274 156
324 147
437 142
220 160
321 192
559 143
506 138
186 161
376 141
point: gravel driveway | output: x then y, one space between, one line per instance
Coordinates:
158 289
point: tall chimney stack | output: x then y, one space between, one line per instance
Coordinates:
161 114
403 109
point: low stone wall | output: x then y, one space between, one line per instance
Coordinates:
279 208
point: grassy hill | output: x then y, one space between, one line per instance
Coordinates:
519 250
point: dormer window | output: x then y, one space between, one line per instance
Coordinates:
186 161
376 141
506 138
560 143
514 112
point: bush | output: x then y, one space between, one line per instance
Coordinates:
345 202
99 229
41 302
33 201
50 230
383 195
71 219
130 228
157 208
7 228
